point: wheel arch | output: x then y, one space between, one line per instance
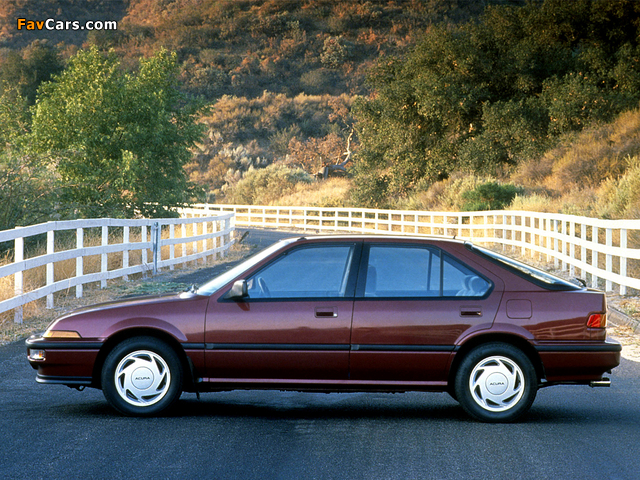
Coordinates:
161 335
513 340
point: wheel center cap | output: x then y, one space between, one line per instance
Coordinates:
497 383
142 378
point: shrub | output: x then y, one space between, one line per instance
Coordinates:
267 185
445 195
618 197
490 196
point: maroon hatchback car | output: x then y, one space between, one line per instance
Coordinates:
343 314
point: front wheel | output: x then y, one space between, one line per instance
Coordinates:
142 376
496 382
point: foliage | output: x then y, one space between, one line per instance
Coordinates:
304 131
490 196
119 141
27 190
586 158
618 197
25 71
483 95
267 185
27 183
444 195
333 192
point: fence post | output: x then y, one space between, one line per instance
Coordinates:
583 249
556 230
214 239
594 256
204 241
18 277
125 252
523 235
183 230
572 248
104 256
229 224
504 232
79 260
609 259
143 252
623 260
155 242
50 275
546 227
194 245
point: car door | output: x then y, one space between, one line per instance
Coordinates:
413 303
294 324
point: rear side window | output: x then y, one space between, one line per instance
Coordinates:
533 274
415 271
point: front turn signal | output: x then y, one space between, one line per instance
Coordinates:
597 320
61 334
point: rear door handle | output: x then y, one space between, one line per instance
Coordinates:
470 311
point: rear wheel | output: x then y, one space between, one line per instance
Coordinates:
142 376
496 382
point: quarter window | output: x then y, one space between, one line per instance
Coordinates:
307 272
410 271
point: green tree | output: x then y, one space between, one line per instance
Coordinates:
27 184
28 69
480 96
119 141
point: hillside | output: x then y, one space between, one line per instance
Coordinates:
438 104
243 47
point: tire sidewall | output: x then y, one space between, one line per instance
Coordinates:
131 345
477 355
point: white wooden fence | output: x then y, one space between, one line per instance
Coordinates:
208 235
604 253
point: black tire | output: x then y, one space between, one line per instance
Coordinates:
142 376
496 382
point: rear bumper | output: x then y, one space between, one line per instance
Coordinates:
579 363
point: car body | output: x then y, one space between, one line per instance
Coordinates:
343 313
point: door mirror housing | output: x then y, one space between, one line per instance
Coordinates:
238 291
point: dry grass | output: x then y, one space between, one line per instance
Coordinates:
333 192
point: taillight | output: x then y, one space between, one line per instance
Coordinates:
597 320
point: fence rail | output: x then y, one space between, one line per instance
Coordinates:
604 253
208 235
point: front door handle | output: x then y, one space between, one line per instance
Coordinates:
326 312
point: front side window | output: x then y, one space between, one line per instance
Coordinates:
306 272
412 271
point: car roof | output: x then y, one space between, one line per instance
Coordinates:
353 237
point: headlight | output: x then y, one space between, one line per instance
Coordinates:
36 355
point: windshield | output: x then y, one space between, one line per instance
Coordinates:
534 274
221 280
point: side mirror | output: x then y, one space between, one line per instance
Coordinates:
238 290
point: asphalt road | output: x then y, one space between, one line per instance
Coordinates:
52 432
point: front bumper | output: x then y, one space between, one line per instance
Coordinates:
68 362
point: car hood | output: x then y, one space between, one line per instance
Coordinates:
130 302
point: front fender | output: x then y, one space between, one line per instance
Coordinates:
144 323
